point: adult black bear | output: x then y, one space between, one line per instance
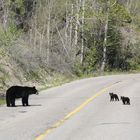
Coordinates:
15 92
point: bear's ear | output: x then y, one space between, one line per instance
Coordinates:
34 87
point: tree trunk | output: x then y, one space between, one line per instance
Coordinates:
82 40
71 27
76 28
5 13
48 36
66 26
105 42
129 4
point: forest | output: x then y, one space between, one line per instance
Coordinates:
43 39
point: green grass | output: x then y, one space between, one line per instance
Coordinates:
2 101
59 80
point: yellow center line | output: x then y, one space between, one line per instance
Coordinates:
40 137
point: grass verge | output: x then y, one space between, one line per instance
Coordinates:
2 101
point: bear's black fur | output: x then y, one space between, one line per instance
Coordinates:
125 100
113 97
23 92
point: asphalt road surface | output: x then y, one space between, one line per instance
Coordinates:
80 110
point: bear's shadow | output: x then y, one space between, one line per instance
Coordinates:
28 106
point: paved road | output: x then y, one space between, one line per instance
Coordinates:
80 110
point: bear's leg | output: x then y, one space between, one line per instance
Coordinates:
128 102
112 98
7 102
23 101
26 101
13 102
123 101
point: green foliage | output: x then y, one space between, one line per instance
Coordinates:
113 47
91 54
117 15
34 14
8 36
78 69
120 14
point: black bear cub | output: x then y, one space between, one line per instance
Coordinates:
125 100
16 92
113 97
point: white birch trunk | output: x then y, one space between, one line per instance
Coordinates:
105 42
82 40
66 27
5 14
71 18
76 28
48 36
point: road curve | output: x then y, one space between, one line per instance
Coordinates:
79 110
